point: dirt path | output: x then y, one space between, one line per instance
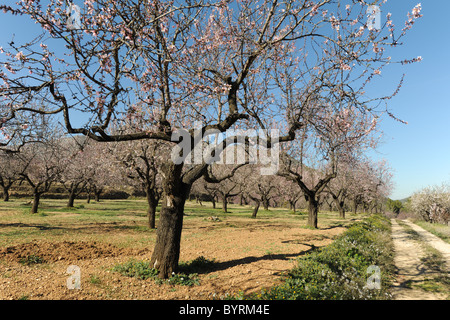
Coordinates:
434 241
412 270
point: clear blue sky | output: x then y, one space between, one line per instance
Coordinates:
419 152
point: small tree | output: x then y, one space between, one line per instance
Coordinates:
260 189
315 159
44 168
74 177
140 162
11 169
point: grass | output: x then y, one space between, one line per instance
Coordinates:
187 276
440 230
85 222
31 259
94 220
341 269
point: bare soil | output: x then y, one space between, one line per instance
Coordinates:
249 255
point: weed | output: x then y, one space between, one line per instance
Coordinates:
187 276
94 279
136 269
31 259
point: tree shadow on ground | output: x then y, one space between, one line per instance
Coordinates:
28 225
220 266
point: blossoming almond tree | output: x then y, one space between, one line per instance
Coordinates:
10 171
432 203
141 161
76 171
314 160
260 189
225 63
44 166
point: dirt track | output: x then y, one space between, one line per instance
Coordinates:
409 262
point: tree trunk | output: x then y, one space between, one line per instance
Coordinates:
213 200
340 206
266 204
341 210
313 209
292 205
168 237
197 200
255 209
224 203
5 194
152 202
71 200
36 198
97 196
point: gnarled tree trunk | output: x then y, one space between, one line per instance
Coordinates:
168 237
71 201
224 203
313 209
256 208
5 193
36 199
152 201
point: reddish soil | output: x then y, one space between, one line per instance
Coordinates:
248 257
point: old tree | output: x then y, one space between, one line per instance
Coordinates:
227 64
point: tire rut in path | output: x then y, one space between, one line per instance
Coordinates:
410 267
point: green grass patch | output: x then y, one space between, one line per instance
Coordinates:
31 259
342 269
440 230
188 275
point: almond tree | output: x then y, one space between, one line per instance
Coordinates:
260 189
369 183
313 161
201 186
141 161
340 187
74 177
44 166
221 180
100 168
225 63
432 203
291 193
226 189
10 171
379 184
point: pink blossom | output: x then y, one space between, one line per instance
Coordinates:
345 66
416 11
314 10
20 56
9 68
